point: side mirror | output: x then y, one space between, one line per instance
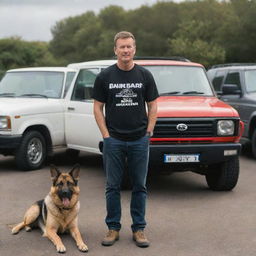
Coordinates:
230 89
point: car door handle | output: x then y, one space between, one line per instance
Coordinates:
71 108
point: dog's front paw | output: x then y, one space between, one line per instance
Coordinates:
61 248
15 231
82 247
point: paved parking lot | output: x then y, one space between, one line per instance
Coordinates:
184 217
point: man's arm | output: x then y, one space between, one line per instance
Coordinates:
100 118
152 115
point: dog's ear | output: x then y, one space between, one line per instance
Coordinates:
75 172
55 173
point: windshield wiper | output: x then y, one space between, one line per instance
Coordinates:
7 94
34 95
193 92
169 93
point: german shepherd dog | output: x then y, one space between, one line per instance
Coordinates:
58 212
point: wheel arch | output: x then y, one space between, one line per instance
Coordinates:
252 126
45 133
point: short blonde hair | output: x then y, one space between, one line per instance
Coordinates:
123 35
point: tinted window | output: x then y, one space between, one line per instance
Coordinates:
233 78
84 84
218 80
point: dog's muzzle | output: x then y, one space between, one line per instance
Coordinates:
65 196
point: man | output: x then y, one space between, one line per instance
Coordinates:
126 127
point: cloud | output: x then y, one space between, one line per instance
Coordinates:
32 19
30 22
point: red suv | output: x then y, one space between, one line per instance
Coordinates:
195 131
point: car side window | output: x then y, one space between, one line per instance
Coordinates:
84 84
69 79
233 78
218 80
250 78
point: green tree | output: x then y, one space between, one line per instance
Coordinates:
208 31
153 26
238 33
197 36
14 52
198 51
74 36
112 18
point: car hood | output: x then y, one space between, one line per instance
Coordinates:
193 106
29 106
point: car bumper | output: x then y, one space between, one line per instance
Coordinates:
9 142
208 153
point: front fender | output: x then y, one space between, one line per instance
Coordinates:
53 122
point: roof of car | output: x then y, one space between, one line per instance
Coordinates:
150 62
54 69
234 66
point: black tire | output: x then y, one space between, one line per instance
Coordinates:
31 153
253 144
225 176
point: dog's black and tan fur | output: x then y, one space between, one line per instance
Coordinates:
58 212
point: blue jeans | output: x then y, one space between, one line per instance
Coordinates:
115 154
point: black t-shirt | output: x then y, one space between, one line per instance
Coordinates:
124 94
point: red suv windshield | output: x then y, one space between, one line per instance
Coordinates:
180 80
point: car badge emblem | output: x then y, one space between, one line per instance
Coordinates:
181 127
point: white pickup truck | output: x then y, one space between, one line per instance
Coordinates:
32 113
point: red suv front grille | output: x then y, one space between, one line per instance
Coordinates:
169 128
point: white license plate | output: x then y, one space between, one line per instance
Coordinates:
169 158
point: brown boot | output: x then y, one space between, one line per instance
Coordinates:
140 239
110 238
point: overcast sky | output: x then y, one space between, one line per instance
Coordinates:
32 19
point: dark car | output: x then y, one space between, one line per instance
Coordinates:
235 84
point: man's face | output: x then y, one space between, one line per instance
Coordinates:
125 49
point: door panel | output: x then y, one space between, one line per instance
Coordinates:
82 131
